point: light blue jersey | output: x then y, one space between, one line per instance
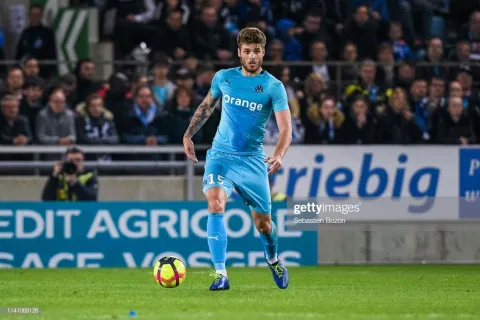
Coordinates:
247 104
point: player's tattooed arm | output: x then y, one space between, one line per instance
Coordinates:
204 111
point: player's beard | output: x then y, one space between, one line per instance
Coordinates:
249 68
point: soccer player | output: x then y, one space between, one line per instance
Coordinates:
237 159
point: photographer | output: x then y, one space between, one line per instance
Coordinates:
69 181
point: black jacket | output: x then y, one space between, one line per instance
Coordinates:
11 130
84 189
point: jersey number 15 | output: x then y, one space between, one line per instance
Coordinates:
211 180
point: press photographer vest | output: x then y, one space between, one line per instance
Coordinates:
63 189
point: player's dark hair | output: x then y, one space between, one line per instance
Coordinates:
251 36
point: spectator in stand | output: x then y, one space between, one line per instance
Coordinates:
205 73
366 86
210 39
419 102
359 126
435 55
268 30
436 94
287 32
401 49
165 7
272 131
398 125
86 84
14 128
350 72
119 95
55 124
324 122
184 78
453 126
95 124
38 41
275 51
319 53
377 8
163 89
173 37
315 90
298 131
30 68
182 110
144 124
292 9
15 82
31 104
363 32
131 25
470 95
68 84
405 75
283 73
455 89
138 81
385 72
313 30
462 52
472 35
191 63
232 14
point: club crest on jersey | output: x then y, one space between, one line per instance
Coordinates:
259 88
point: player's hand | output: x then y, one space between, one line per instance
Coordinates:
275 163
189 149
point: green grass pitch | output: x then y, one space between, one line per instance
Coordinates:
324 292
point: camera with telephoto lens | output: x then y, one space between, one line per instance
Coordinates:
69 167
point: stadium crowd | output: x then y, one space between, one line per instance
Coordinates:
395 81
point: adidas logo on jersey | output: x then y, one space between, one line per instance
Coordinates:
252 106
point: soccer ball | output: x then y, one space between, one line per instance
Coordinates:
169 272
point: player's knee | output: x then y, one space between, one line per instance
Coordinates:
263 226
216 206
216 200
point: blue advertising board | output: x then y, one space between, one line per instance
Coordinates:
469 185
136 234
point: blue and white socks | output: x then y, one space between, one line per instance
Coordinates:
270 244
217 241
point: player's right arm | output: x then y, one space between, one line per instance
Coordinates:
204 111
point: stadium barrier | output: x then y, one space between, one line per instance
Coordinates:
418 204
135 234
37 164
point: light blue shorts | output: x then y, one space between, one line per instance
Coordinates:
247 174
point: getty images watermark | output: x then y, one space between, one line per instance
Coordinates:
307 215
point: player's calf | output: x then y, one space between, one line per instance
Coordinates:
217 234
268 233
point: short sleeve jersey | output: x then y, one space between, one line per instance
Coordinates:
247 104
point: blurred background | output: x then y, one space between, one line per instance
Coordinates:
97 94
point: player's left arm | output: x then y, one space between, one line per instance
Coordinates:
284 122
